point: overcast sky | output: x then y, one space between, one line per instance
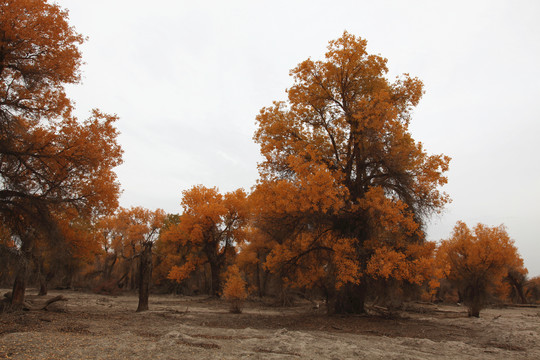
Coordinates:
187 79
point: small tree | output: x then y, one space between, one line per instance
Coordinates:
207 232
235 289
515 282
477 261
143 228
126 236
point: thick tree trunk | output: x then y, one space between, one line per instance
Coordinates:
261 280
262 276
19 286
350 299
145 274
474 311
474 296
216 283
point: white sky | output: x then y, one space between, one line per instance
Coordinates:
187 79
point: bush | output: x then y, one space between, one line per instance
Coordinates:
235 289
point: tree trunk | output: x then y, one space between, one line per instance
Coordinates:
474 309
42 285
521 294
350 299
67 281
261 281
216 283
41 278
133 280
19 286
474 296
145 274
108 269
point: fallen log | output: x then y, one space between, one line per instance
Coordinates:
33 303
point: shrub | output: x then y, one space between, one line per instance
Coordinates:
235 289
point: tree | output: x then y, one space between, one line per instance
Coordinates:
127 236
50 162
532 290
477 261
516 280
343 184
144 229
209 228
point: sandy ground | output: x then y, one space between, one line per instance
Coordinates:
90 326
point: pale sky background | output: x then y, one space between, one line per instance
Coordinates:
187 79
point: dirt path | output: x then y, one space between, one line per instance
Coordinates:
106 327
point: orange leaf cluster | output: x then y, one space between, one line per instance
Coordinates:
483 252
207 232
235 286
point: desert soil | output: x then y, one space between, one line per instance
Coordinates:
90 326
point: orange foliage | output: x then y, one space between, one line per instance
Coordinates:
167 253
234 289
344 188
127 231
209 228
39 54
49 159
477 261
55 168
414 263
123 236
